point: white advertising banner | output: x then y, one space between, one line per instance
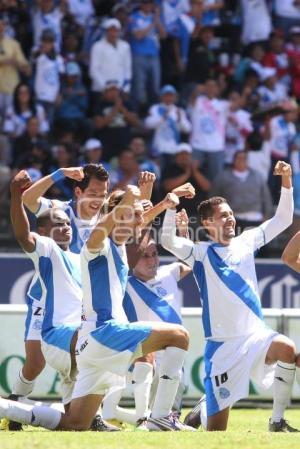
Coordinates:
12 352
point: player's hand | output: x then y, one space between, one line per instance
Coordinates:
21 182
171 200
132 194
282 169
75 173
186 190
182 223
146 177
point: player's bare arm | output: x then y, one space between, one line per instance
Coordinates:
145 184
18 215
32 196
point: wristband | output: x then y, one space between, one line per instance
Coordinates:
58 175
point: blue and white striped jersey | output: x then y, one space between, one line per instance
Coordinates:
157 299
226 275
104 279
58 274
81 230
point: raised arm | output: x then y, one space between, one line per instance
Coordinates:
290 255
283 217
18 215
32 197
112 220
145 184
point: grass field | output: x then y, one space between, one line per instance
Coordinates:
247 430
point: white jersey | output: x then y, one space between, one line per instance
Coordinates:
155 300
226 275
238 126
257 23
287 8
59 278
47 78
208 124
104 279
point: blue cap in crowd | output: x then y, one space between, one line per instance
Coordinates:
168 89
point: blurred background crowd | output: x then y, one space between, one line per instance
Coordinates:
204 91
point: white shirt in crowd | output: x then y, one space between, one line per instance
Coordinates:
16 123
268 96
286 8
256 19
168 122
261 160
282 133
81 10
109 62
238 126
47 78
52 21
208 124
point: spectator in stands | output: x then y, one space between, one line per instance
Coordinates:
26 141
253 204
184 170
93 151
271 91
146 30
282 133
259 154
209 117
293 51
72 103
23 107
127 172
113 119
81 11
63 156
238 126
201 59
211 12
12 62
277 57
37 158
256 21
137 145
48 16
49 68
168 122
287 14
111 59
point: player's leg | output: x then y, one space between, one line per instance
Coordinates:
142 377
175 340
283 352
218 421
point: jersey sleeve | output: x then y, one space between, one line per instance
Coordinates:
43 247
88 255
46 204
174 270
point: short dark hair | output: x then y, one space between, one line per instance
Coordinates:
205 209
114 199
43 219
92 171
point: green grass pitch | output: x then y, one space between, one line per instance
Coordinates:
247 430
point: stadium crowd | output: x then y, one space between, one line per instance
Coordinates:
169 86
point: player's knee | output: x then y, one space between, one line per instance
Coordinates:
181 338
287 351
298 361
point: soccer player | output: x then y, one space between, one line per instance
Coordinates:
58 271
239 345
91 186
106 347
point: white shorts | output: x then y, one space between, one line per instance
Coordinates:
33 323
230 365
59 358
105 353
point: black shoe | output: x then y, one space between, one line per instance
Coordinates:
193 418
281 426
99 425
14 426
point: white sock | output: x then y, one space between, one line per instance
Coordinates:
142 377
110 402
203 415
126 415
169 376
27 414
283 384
22 386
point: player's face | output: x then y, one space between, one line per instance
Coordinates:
59 228
91 200
148 263
221 226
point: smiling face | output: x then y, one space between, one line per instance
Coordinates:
221 225
58 227
147 266
91 199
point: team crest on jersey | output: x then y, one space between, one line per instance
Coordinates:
86 235
37 325
224 393
161 291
